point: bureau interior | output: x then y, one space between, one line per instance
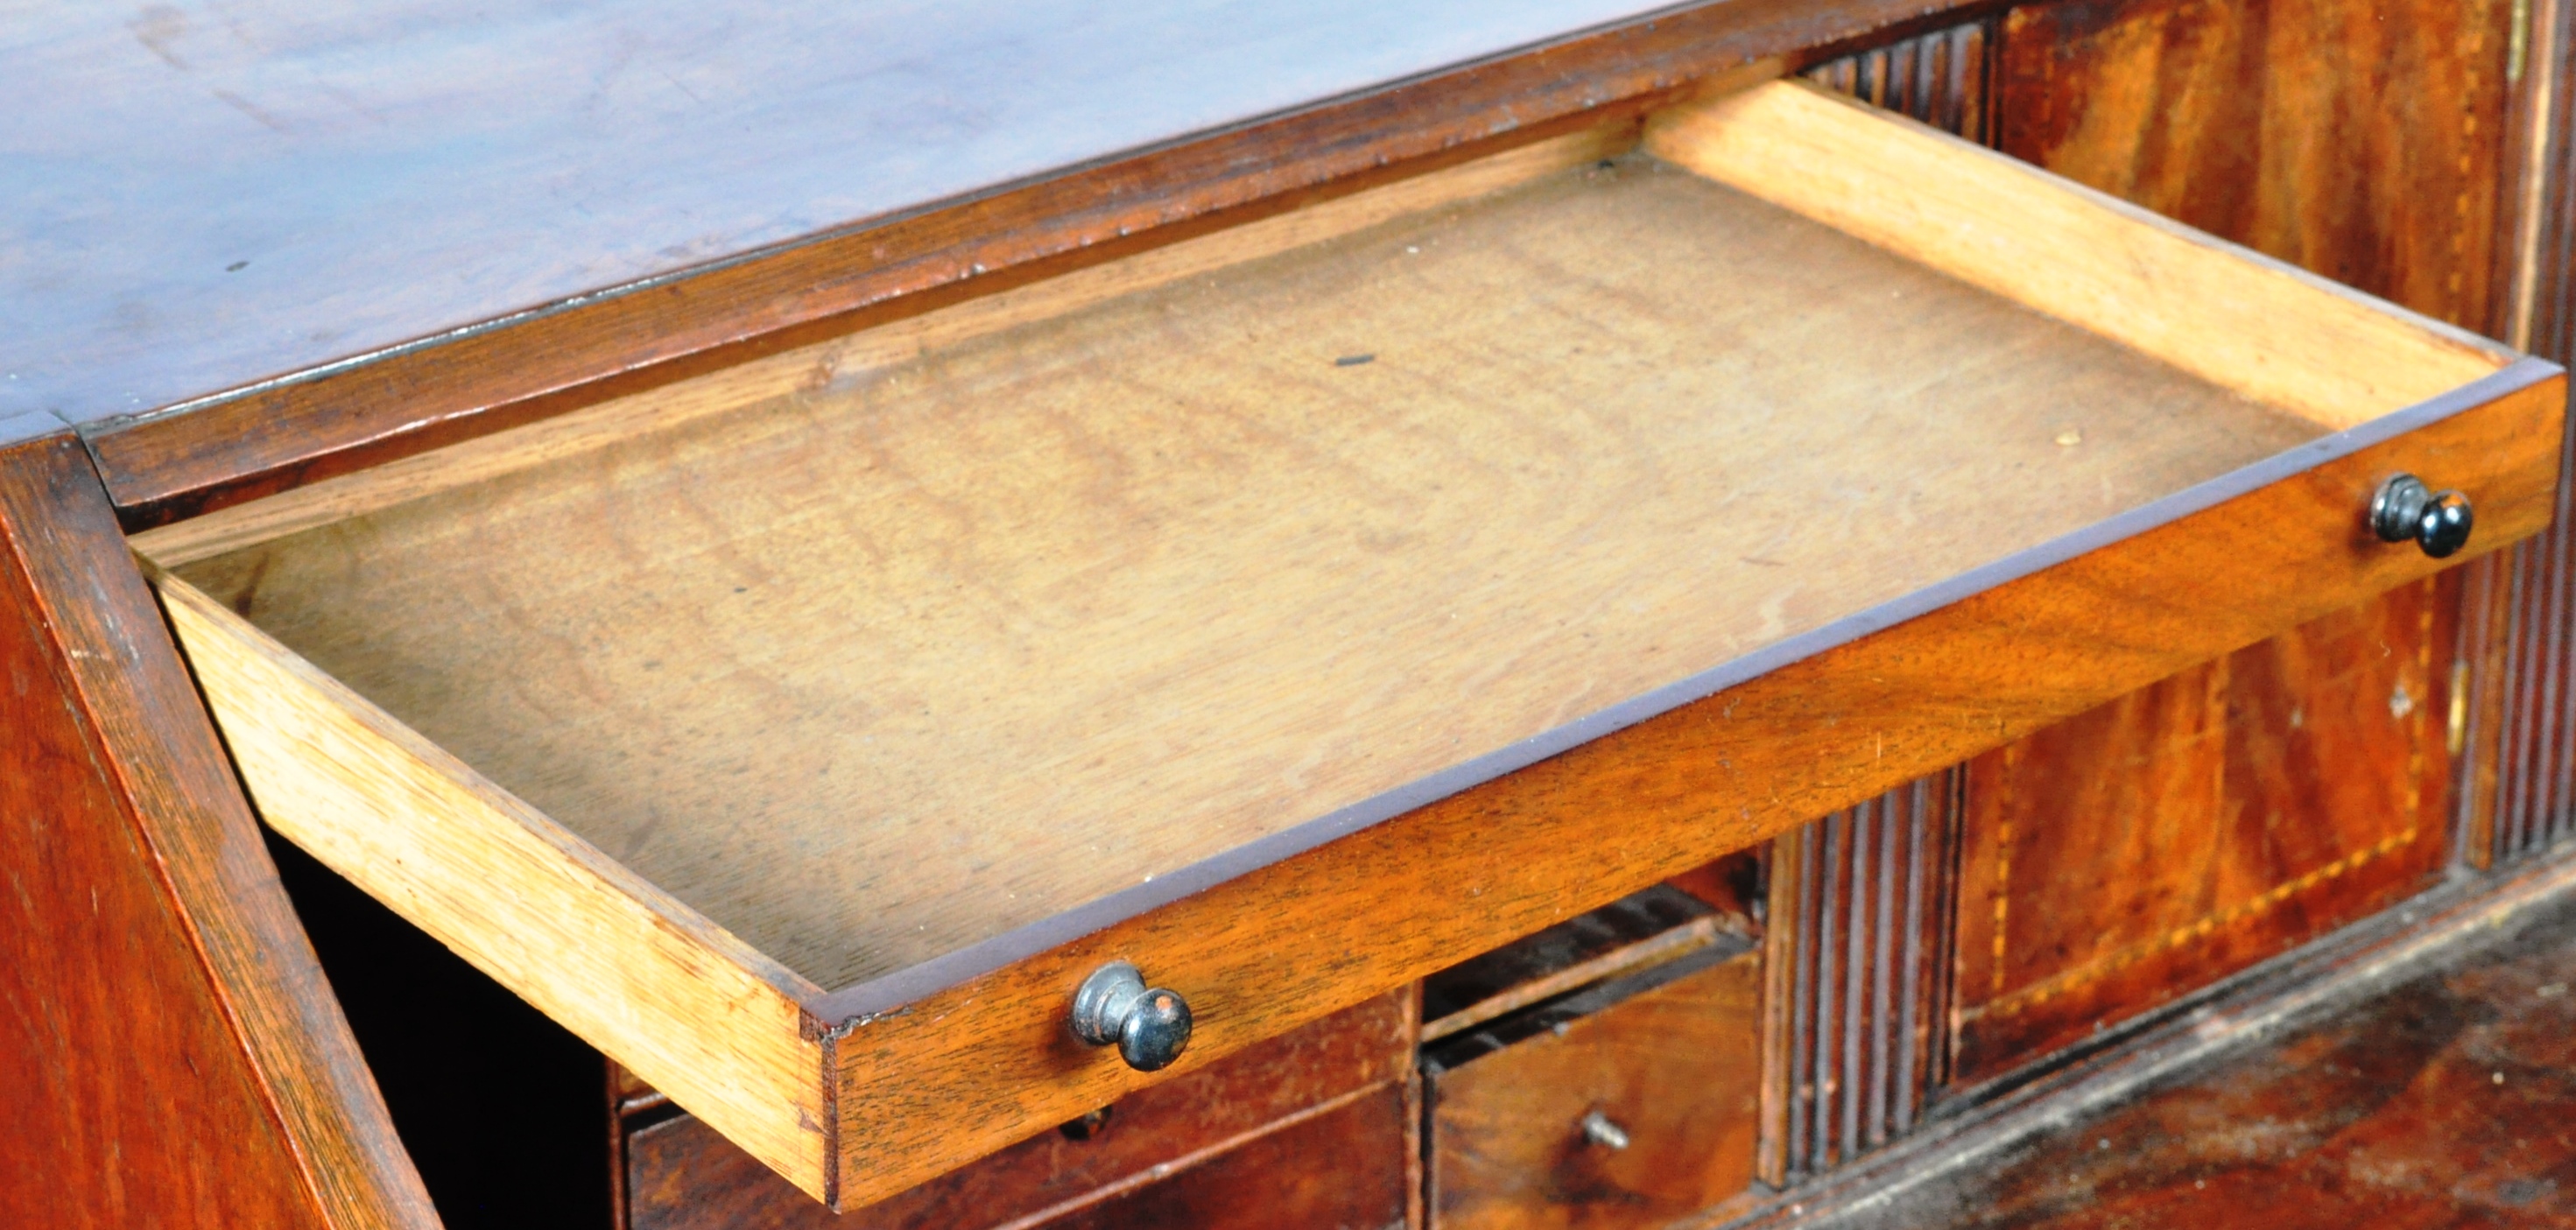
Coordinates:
885 648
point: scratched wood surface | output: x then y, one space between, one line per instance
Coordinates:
1040 616
391 174
2442 1097
365 157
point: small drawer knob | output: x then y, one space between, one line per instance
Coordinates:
1600 1129
1150 1026
2437 521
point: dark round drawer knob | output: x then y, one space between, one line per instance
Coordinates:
2437 521
1149 1025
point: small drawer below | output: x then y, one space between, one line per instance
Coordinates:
1284 1128
1343 1169
1630 1104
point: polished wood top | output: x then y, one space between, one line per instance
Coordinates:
199 200
261 250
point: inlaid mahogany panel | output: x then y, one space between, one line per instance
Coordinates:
2186 831
2363 141
2242 806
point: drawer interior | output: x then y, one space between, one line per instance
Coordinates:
958 635
876 670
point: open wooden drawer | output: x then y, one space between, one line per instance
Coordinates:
1299 608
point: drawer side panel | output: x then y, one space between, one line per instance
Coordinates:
694 1011
2226 314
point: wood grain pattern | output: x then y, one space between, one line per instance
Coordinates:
2364 142
310 423
1175 530
173 1053
2265 121
1263 951
2266 330
1351 1167
1785 877
496 1104
1501 852
1677 1067
1944 79
681 1174
2262 122
1348 1163
862 358
620 963
2285 801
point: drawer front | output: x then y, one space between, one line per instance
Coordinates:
1347 1168
1336 1075
1343 1167
1635 1115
